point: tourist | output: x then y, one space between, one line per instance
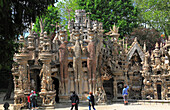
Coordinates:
29 102
6 105
125 94
33 97
91 100
74 101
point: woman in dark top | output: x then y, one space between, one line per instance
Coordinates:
74 101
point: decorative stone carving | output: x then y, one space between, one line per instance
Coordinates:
77 63
101 96
63 55
87 63
91 61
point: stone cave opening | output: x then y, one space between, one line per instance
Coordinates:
38 79
159 91
108 87
56 83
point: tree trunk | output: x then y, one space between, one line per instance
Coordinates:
10 87
166 35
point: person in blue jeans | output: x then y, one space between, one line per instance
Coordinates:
33 97
124 94
91 100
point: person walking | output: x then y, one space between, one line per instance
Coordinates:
74 101
91 100
6 106
29 102
125 94
33 97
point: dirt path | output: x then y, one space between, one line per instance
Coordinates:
132 106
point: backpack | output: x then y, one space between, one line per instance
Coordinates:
33 97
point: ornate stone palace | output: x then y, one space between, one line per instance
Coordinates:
90 60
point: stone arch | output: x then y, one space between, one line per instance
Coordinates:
136 47
84 64
70 64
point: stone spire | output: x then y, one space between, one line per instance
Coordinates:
21 40
126 48
31 42
135 40
157 54
23 48
89 22
41 42
114 33
115 29
144 47
46 43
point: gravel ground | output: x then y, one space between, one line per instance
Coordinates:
116 106
124 107
112 107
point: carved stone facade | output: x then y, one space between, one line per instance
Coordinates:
56 66
156 72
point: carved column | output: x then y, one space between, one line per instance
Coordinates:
91 61
63 59
47 92
23 84
77 63
115 88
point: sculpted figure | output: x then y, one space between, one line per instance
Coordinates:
95 25
72 82
43 78
77 63
91 62
43 84
101 96
114 30
42 71
63 56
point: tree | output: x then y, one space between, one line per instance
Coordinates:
16 15
50 17
67 10
149 36
120 12
154 13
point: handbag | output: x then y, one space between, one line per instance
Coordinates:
73 103
91 103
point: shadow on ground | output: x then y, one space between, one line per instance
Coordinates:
10 101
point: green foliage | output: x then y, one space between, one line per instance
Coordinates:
149 36
155 13
63 7
15 17
50 17
120 12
